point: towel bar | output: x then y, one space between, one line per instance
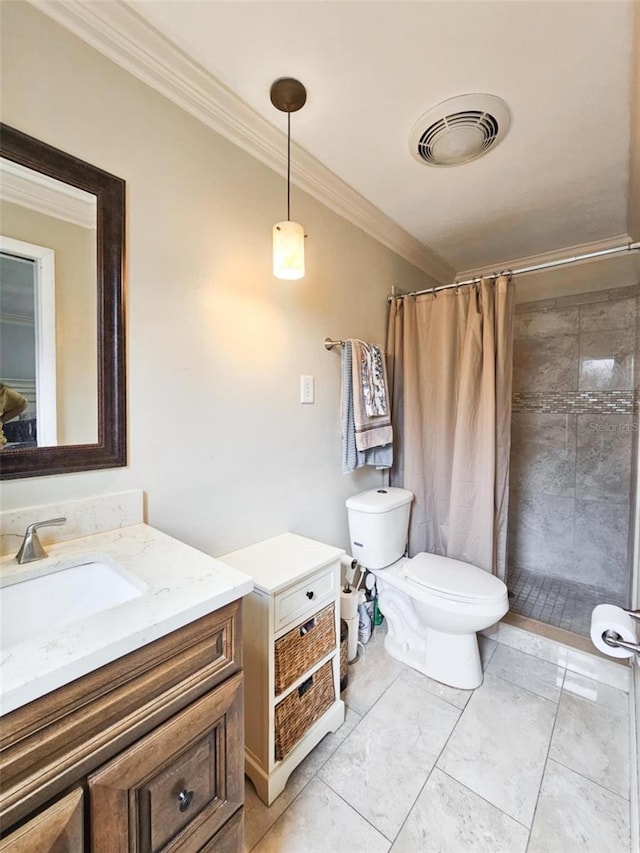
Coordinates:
329 344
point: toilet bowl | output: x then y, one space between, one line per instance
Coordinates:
451 601
434 605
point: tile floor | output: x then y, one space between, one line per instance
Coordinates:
535 760
556 601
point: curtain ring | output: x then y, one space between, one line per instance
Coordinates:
434 294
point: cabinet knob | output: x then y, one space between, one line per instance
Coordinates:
185 798
310 594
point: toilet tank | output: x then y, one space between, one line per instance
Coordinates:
378 525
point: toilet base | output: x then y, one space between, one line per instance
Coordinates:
452 659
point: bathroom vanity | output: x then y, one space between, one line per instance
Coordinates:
291 654
124 730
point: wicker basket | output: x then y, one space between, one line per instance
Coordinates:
344 660
303 647
297 712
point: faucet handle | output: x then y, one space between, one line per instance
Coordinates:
31 548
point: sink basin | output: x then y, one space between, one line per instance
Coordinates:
32 607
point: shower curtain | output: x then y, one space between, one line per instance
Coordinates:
450 370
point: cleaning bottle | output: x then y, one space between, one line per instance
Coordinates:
364 619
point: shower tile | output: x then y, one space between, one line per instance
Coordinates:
593 740
448 816
583 298
503 735
608 316
381 767
606 360
541 532
544 324
526 671
601 544
539 305
577 816
546 364
543 453
603 468
624 292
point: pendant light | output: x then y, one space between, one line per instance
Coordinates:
288 95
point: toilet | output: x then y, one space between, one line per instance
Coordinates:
433 605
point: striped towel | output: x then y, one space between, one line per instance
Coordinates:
352 458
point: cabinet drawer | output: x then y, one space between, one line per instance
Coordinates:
297 601
303 647
298 711
58 828
178 786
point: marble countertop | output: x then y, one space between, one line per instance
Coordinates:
181 584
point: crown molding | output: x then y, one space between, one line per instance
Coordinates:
43 194
547 257
114 29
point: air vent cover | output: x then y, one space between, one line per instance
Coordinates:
459 130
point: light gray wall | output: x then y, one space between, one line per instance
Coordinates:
215 345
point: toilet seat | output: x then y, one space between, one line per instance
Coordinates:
454 580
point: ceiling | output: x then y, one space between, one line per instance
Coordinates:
560 178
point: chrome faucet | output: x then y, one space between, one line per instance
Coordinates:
31 548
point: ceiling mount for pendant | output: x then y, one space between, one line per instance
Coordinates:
288 95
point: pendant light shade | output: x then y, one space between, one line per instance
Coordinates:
288 250
288 95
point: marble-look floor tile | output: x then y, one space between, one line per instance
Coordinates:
452 695
448 817
319 821
259 817
537 675
593 740
382 765
499 747
371 674
487 649
575 815
604 695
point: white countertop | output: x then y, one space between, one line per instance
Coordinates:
182 584
282 560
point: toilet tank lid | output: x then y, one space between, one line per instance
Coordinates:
454 578
380 500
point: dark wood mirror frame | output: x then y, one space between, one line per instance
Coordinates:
111 448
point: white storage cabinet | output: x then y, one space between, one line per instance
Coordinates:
291 652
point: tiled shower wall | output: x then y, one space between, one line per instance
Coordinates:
573 428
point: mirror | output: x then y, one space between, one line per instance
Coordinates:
62 363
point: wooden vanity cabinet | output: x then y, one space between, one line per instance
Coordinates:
152 746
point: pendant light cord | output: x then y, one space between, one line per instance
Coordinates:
288 166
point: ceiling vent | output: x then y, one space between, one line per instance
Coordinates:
459 130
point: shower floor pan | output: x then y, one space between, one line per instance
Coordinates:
563 603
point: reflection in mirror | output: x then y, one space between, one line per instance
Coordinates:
62 357
48 308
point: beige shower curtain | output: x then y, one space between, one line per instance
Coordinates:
451 376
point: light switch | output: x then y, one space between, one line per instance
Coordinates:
306 389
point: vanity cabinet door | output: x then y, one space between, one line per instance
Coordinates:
58 829
177 786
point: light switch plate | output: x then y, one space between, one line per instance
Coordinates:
306 389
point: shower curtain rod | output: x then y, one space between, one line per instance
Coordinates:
627 247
